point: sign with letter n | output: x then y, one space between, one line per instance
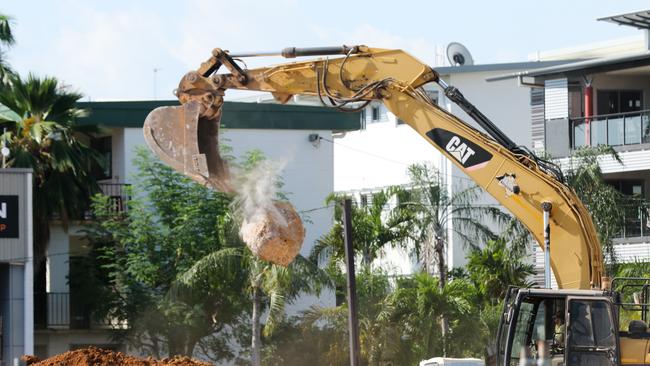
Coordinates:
9 217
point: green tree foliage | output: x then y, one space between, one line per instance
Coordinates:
605 203
418 303
495 267
324 330
175 270
6 40
42 134
434 210
398 324
171 223
374 226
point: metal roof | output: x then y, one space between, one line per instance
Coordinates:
236 115
586 67
447 70
639 19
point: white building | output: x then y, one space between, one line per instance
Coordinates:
280 132
602 99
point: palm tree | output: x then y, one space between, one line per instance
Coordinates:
374 226
495 267
418 303
42 134
6 39
604 202
270 287
436 213
378 337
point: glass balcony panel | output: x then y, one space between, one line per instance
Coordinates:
633 222
599 132
578 134
645 127
616 131
633 130
636 220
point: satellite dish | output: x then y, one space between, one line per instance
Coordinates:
458 55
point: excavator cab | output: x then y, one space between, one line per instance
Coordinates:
562 327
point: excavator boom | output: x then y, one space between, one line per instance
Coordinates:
187 137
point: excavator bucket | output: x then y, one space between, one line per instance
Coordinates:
188 143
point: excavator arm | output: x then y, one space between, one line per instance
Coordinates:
186 137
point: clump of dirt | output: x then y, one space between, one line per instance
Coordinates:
92 356
275 236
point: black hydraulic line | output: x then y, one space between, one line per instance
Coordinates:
457 97
291 52
499 136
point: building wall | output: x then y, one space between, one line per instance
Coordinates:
380 155
12 311
16 266
118 158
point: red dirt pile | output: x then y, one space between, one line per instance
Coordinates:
92 356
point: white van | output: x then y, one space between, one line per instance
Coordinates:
440 361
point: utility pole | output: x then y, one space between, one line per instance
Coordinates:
353 320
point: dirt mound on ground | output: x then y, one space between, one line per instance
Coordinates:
100 357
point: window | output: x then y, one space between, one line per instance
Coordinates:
375 113
618 101
365 200
103 145
590 334
629 187
524 320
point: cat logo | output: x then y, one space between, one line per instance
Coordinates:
459 149
467 153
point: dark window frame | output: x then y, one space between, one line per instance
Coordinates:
104 146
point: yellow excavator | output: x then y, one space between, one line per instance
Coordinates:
532 189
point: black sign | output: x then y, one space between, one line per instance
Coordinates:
9 216
468 154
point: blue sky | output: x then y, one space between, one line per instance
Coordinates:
108 49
